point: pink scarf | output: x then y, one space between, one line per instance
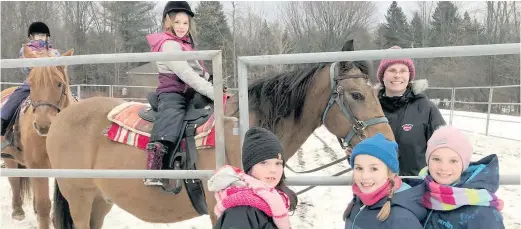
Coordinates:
235 188
370 199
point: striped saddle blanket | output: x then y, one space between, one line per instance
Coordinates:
129 128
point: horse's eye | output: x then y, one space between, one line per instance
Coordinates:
357 96
59 84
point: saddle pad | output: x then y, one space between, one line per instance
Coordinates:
130 129
126 115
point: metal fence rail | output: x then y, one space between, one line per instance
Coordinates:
505 179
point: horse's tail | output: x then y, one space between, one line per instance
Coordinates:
62 215
25 187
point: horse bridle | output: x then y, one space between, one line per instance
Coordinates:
36 104
337 97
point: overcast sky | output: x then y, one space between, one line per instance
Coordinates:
269 8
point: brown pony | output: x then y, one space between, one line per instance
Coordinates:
49 94
291 104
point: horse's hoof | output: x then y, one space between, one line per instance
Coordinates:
18 215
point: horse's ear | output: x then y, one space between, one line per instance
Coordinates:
68 53
349 46
28 53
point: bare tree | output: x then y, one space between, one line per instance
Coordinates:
325 26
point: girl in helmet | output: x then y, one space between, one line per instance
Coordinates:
39 41
178 81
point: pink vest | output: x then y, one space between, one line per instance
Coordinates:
170 82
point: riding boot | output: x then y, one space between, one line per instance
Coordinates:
155 153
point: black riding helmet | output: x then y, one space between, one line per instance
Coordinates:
177 6
38 27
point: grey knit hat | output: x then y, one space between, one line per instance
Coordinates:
259 145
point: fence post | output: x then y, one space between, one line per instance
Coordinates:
490 94
78 91
220 158
244 114
452 99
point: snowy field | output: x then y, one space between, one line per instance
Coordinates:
322 207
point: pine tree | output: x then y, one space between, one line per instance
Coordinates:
417 31
396 30
213 33
445 24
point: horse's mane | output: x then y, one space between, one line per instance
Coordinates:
275 98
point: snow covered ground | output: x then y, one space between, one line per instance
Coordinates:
322 207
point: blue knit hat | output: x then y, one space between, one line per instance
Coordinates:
379 147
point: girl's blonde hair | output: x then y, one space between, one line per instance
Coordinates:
386 209
168 24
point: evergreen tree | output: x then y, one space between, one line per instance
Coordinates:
417 31
213 33
445 24
396 30
132 22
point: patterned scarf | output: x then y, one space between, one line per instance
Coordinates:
234 188
446 198
370 199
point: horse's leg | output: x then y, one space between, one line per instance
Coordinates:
40 186
100 208
42 201
16 183
79 194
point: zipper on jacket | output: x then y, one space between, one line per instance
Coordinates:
354 220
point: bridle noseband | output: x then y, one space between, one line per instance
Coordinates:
337 97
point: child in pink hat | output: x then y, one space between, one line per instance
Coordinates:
455 187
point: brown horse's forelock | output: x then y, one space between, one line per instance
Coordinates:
47 75
275 98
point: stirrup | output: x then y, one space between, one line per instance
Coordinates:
152 182
173 186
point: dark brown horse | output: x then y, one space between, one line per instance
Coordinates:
292 104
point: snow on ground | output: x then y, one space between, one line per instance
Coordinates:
321 207
504 126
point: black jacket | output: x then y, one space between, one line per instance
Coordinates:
244 217
413 118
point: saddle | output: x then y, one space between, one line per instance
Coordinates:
184 155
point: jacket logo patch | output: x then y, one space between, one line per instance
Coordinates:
407 127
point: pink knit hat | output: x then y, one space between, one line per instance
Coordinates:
385 63
448 136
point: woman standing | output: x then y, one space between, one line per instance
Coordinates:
412 116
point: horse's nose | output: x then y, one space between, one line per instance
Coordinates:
41 130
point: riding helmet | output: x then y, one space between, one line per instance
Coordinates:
38 27
178 6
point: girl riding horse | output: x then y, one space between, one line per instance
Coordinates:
39 36
177 82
